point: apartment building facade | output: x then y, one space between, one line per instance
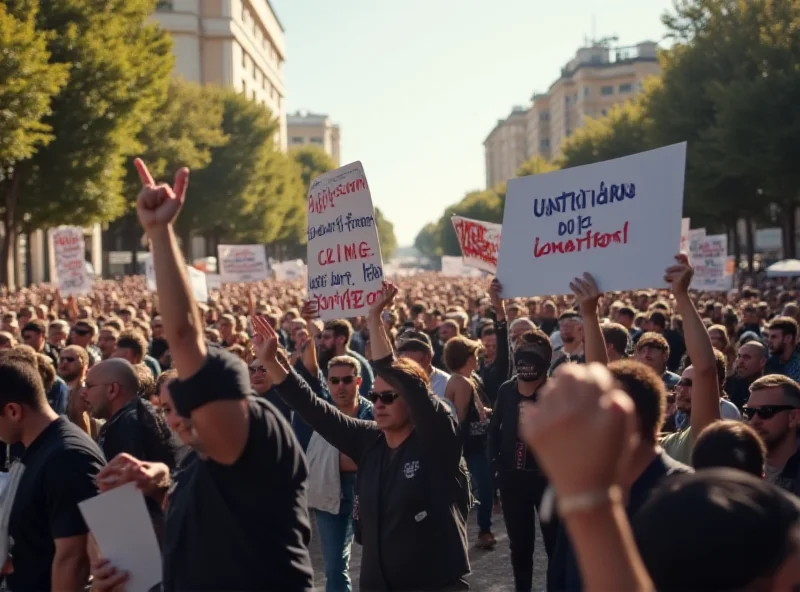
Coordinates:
316 130
597 78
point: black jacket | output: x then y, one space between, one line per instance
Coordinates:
411 503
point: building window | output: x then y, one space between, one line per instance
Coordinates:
545 143
254 95
585 91
244 59
625 88
603 112
297 140
164 6
316 141
566 99
244 86
607 90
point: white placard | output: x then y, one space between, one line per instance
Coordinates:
685 224
290 270
124 532
619 220
712 272
695 236
479 241
69 269
457 267
213 281
345 268
242 263
197 280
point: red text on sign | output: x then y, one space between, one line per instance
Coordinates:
347 252
475 243
590 240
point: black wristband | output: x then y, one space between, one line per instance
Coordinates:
223 377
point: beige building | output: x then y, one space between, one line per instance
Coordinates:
595 79
238 44
316 130
505 147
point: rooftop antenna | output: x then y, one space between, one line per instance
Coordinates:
594 28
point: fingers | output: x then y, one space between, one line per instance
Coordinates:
181 183
144 174
682 258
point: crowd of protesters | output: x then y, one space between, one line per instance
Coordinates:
653 433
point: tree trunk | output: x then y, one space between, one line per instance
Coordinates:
790 246
28 279
9 232
750 245
737 247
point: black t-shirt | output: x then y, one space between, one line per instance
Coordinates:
507 450
243 526
60 469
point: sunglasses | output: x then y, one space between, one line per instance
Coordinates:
81 332
67 360
255 369
385 397
345 379
765 411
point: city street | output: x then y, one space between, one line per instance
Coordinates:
491 570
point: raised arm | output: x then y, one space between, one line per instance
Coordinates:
209 389
380 344
350 436
705 390
502 362
588 295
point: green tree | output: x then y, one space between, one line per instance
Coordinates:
427 240
313 161
28 83
388 240
479 205
536 165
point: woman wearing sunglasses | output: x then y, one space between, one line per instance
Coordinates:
412 492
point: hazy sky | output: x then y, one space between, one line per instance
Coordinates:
417 85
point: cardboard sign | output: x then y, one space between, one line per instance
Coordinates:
69 269
685 224
457 267
242 264
619 220
197 280
290 271
479 241
712 272
345 269
695 236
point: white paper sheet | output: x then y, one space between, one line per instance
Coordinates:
124 532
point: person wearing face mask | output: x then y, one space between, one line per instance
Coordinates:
522 483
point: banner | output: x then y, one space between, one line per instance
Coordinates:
712 272
619 220
457 267
242 264
197 280
69 268
290 271
479 241
345 269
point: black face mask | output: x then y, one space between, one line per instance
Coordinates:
530 366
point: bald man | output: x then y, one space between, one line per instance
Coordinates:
750 361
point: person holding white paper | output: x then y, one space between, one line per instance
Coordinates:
46 535
237 518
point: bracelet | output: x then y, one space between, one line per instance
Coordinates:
579 502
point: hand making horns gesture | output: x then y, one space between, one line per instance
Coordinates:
159 205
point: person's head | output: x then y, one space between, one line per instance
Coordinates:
131 346
750 315
489 342
549 310
336 337
57 333
46 370
773 409
656 321
616 337
719 337
782 336
570 327
390 409
683 393
157 327
652 349
751 359
180 425
107 341
344 380
646 390
416 346
145 382
34 334
718 530
226 326
7 341
461 355
732 444
258 377
532 355
109 386
83 333
73 362
448 330
22 396
9 323
513 311
518 327
26 315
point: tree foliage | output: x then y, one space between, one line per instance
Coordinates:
388 240
313 162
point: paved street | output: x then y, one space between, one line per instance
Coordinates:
491 570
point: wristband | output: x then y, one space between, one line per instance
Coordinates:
223 377
578 502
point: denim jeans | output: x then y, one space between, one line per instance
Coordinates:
336 538
480 473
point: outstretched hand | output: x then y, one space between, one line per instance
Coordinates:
495 293
159 205
386 298
265 341
586 293
680 275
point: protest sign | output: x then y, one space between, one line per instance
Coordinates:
685 223
695 236
712 273
457 267
69 270
242 263
619 220
289 270
213 281
197 280
479 241
345 269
